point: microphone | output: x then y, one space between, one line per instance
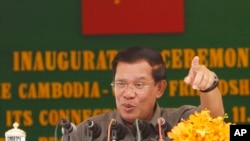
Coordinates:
164 125
68 128
144 129
118 131
93 130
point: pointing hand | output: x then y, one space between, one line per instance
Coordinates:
199 76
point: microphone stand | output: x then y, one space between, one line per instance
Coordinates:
89 135
93 131
114 135
67 128
65 136
118 131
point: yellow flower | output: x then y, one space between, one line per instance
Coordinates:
200 126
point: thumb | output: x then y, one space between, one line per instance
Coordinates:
187 79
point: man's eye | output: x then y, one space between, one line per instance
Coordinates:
120 84
139 85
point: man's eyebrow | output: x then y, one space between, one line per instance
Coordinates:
141 78
136 79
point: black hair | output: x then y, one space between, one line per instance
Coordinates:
138 53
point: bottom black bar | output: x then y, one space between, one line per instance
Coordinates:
239 132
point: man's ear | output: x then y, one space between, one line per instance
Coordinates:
161 87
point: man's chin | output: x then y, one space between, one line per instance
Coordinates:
129 118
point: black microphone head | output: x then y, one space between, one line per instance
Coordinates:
145 128
118 131
94 130
67 126
65 123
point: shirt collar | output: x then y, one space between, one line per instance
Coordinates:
157 114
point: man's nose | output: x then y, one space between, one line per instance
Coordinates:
129 91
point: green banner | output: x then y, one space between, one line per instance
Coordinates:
50 70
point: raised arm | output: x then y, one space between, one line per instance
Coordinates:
204 80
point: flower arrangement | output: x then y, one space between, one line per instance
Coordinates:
201 127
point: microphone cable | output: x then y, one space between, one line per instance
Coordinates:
141 129
138 130
109 128
163 128
55 134
160 122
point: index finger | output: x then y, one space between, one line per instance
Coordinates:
195 62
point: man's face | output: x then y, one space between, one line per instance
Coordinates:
135 91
